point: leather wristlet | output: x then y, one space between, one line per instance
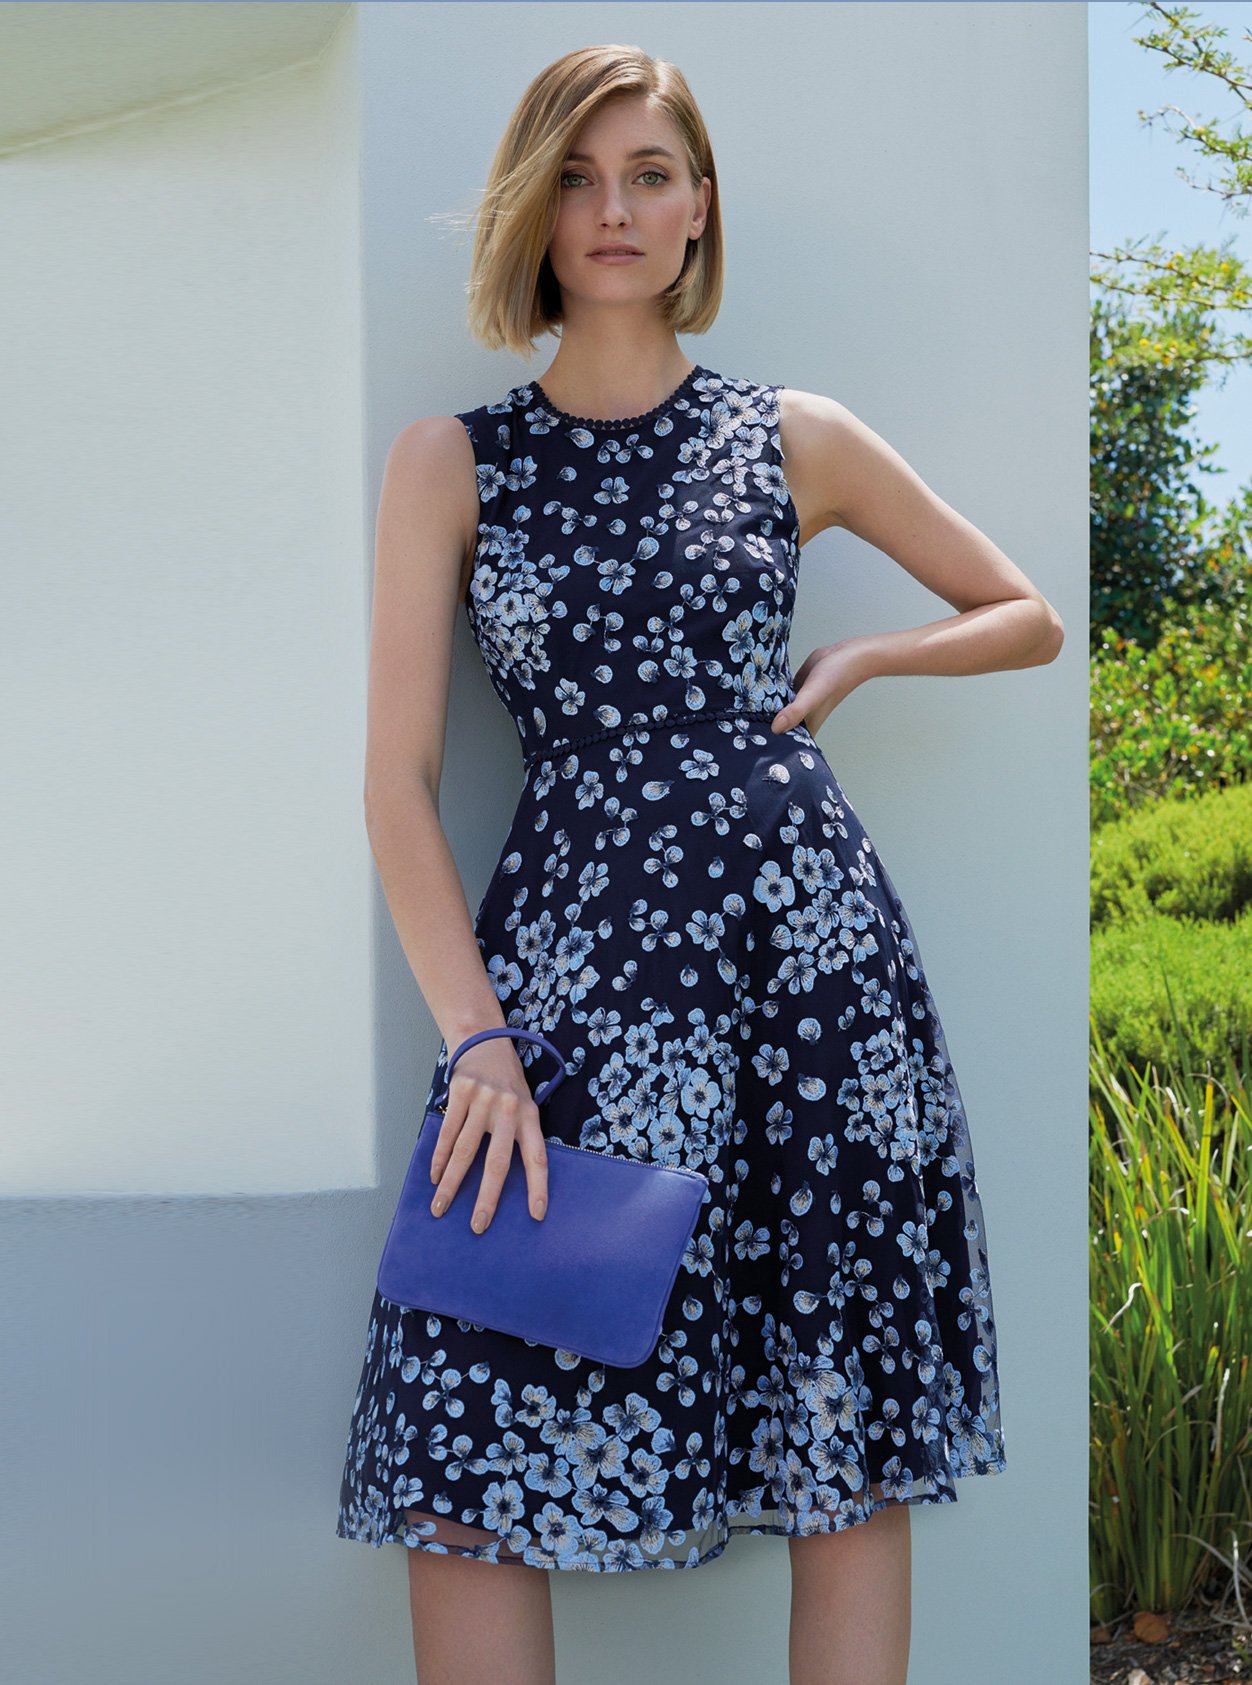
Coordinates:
593 1277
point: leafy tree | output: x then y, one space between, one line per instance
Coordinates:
1194 301
1164 322
1147 513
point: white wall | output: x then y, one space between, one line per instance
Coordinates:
188 893
186 904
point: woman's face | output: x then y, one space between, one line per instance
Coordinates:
609 197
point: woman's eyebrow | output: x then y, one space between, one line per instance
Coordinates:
639 152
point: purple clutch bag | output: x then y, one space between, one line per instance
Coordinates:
592 1277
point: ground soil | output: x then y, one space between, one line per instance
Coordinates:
1205 1644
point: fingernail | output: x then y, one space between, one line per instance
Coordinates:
540 1207
480 1222
438 1206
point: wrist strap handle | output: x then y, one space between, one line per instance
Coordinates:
541 1093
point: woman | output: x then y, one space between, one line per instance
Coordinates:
687 905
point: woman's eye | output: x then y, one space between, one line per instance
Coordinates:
566 174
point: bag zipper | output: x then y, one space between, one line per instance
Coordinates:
642 1163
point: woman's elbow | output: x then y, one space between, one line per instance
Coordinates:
1051 634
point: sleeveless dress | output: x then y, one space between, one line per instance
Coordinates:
687 905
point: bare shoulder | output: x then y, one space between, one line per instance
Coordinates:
434 438
819 438
431 474
845 471
807 411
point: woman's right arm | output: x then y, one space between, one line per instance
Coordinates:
425 534
424 529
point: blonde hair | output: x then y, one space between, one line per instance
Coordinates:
513 293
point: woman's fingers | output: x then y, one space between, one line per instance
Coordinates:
499 1152
511 1119
824 678
453 1121
534 1153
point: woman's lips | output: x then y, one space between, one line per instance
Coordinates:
616 257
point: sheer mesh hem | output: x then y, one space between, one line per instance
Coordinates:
554 1542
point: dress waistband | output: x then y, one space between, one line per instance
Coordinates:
554 751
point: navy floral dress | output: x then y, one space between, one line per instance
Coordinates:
688 906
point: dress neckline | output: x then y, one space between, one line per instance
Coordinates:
617 420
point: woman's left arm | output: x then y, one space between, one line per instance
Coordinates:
841 473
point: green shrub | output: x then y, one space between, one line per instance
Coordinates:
1189 859
1173 720
1209 977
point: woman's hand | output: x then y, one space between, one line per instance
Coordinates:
824 678
488 1095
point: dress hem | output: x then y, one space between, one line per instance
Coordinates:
745 1528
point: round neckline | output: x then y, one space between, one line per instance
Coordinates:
618 420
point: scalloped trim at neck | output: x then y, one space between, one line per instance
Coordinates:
616 420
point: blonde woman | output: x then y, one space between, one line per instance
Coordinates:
686 904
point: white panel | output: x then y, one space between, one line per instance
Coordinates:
186 899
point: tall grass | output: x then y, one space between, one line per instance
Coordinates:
1171 1333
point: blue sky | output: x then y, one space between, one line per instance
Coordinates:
1136 192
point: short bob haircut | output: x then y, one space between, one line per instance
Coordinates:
514 295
